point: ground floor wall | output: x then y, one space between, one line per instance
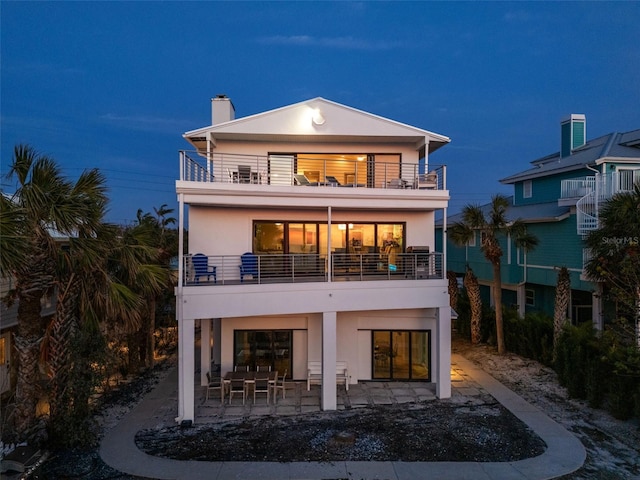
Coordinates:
354 341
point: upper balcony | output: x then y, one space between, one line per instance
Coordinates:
310 170
250 269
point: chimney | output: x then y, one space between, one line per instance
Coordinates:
222 109
573 133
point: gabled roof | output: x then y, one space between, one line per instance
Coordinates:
536 213
293 123
610 147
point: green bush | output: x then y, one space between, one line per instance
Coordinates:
598 368
531 336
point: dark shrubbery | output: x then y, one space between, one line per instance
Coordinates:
599 368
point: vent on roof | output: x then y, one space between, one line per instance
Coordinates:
573 133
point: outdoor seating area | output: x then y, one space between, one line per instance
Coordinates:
314 374
245 384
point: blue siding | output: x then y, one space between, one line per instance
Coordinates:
546 189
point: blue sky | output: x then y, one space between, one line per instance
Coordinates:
113 85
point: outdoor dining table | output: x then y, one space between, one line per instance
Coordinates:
249 379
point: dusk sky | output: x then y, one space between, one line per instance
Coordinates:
113 85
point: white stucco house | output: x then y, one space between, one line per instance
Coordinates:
315 228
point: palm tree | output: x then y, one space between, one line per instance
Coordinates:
475 302
615 253
563 292
493 225
44 201
453 289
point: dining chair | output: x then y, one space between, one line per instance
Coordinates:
241 368
213 384
261 385
237 386
279 386
263 368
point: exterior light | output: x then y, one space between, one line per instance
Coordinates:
317 117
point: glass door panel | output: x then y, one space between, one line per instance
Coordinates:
401 358
282 351
262 348
381 354
420 356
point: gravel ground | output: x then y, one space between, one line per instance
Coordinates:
613 446
427 431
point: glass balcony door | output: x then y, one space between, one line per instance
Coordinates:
401 355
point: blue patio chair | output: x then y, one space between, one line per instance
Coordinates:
201 268
248 265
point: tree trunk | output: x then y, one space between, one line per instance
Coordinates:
453 289
563 291
27 342
497 303
151 329
64 326
475 301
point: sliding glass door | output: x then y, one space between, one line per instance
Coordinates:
401 355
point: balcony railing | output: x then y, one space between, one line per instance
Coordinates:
290 170
299 268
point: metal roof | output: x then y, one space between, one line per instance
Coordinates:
613 146
535 213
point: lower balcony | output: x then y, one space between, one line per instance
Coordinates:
253 269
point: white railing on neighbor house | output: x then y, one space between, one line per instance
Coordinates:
298 268
298 170
592 192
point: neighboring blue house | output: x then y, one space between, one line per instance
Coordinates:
559 198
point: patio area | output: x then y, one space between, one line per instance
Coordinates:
298 400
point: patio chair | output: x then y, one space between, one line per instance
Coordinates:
334 182
244 174
248 265
213 384
279 386
263 368
241 368
427 180
397 183
237 386
201 268
303 180
261 385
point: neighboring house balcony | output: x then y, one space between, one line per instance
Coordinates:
590 192
312 170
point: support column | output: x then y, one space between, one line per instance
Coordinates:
329 394
205 349
186 370
521 296
443 352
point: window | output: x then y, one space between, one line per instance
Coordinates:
281 237
472 242
401 355
271 348
527 189
530 297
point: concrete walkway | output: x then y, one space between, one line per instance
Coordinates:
564 453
